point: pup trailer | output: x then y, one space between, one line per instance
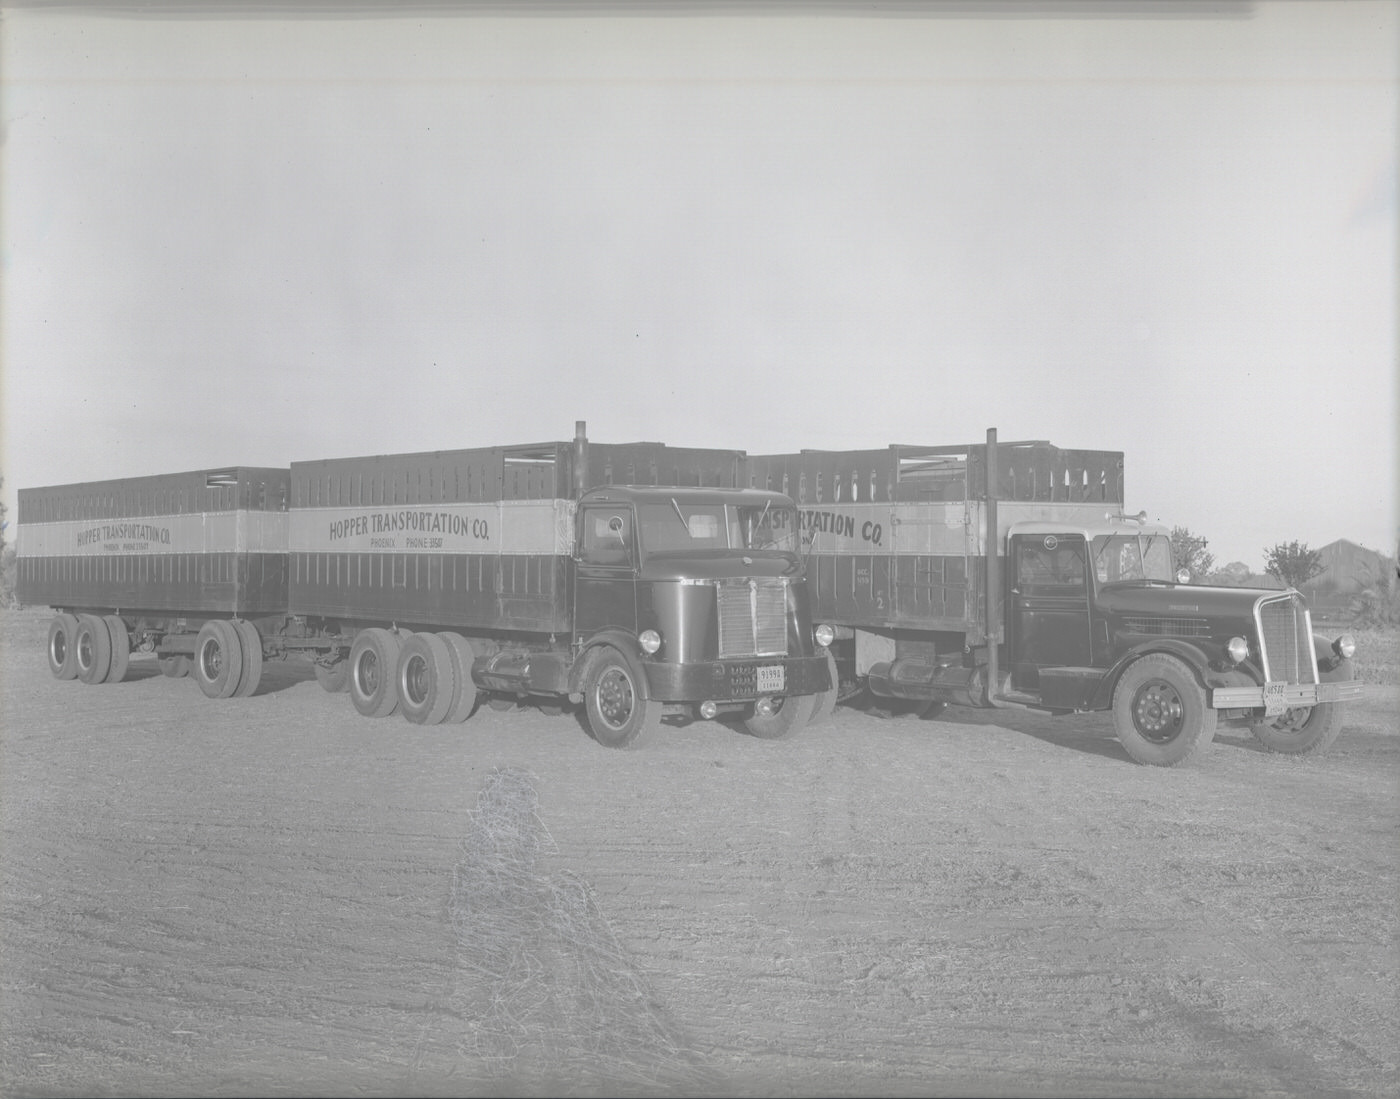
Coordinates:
1007 575
635 579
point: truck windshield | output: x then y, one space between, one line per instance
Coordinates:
676 527
1132 557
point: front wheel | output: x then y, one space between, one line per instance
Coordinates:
1160 712
788 716
1306 730
618 714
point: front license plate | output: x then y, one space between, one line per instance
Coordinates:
1274 702
770 679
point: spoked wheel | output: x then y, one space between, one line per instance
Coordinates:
374 662
63 631
92 649
218 658
425 679
619 716
1160 712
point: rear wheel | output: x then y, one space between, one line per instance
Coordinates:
63 632
1160 712
92 649
425 679
618 714
789 715
251 645
464 687
1306 730
121 648
218 658
374 663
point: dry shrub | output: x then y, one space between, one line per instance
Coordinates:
550 998
1377 657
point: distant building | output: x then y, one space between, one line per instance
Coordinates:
1347 569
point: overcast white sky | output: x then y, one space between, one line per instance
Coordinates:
258 240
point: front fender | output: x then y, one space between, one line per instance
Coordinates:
613 638
1188 654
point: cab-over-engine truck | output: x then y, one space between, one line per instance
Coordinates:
1007 575
637 579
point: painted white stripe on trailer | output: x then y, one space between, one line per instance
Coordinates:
507 527
951 529
239 531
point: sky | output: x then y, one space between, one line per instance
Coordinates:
327 231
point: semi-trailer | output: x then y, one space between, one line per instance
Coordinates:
1007 574
635 579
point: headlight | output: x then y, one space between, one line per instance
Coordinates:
824 634
1237 649
650 641
1345 646
1183 576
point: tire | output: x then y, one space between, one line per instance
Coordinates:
425 680
374 677
175 667
63 631
1306 730
464 687
619 716
334 679
793 714
92 649
121 648
826 701
1160 712
251 646
218 658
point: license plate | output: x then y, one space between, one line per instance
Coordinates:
771 679
1274 701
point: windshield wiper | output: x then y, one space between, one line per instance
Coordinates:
679 515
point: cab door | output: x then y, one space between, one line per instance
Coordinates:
605 563
1049 614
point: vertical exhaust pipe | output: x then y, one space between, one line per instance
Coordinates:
580 458
993 571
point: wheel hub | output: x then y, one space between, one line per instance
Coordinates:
1158 711
615 698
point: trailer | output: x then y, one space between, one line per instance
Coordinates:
1008 575
636 579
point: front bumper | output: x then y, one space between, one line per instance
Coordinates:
736 680
1277 697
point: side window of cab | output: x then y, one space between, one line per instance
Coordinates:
1050 565
607 536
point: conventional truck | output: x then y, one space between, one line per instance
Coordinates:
1008 575
636 579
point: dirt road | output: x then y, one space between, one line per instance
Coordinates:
274 895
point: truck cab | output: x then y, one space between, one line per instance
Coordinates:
704 591
1097 620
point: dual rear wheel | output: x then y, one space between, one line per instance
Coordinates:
228 659
90 647
425 676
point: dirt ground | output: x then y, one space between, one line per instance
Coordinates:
273 895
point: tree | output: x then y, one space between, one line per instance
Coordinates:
7 557
1292 563
1234 575
1189 553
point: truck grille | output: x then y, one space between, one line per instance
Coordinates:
752 616
1285 638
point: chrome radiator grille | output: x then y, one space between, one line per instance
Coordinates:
1285 635
752 616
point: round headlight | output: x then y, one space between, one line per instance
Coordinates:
1183 576
824 634
650 641
1345 646
1237 649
